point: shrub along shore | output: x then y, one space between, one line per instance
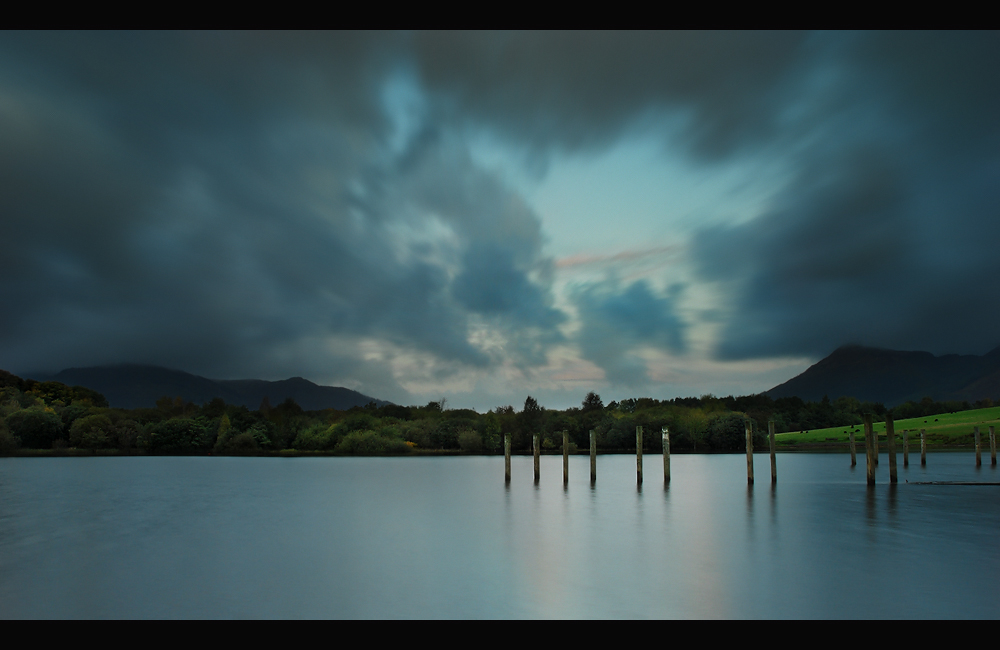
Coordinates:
50 418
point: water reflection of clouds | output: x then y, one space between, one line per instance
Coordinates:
702 536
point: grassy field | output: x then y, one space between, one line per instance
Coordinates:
944 430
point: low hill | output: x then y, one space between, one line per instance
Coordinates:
136 386
893 377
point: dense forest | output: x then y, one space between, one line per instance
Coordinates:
52 416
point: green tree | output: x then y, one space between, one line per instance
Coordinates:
727 432
125 432
37 427
91 432
470 441
530 423
180 436
592 402
492 432
8 443
368 442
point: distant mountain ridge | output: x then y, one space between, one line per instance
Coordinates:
138 386
893 377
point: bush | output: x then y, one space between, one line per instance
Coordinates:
241 443
369 443
8 442
727 432
125 433
91 432
316 438
37 427
180 436
231 441
470 441
445 434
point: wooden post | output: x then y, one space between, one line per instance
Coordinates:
979 457
749 452
923 447
875 445
638 455
666 455
854 460
906 449
538 446
593 457
774 462
890 438
565 457
868 448
993 447
506 457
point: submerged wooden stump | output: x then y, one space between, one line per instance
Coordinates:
537 452
593 457
749 452
638 455
979 457
923 446
666 455
506 457
774 462
868 448
875 444
993 447
906 449
850 437
565 457
890 438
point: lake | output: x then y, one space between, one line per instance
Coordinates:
442 537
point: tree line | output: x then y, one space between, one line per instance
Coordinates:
51 415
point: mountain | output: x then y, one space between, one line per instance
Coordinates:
893 377
135 386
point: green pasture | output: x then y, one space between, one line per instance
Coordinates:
943 430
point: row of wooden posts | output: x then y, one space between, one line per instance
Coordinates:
871 451
638 455
871 448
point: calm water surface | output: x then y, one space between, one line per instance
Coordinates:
439 537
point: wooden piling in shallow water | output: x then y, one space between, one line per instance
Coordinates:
979 456
854 460
993 447
868 448
774 461
565 457
749 452
666 455
593 457
506 457
923 446
638 455
875 445
906 449
537 453
890 438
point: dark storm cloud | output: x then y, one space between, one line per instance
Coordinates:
578 90
211 201
223 202
885 236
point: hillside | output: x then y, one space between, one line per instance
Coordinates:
893 377
135 386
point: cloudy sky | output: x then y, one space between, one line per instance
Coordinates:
483 216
